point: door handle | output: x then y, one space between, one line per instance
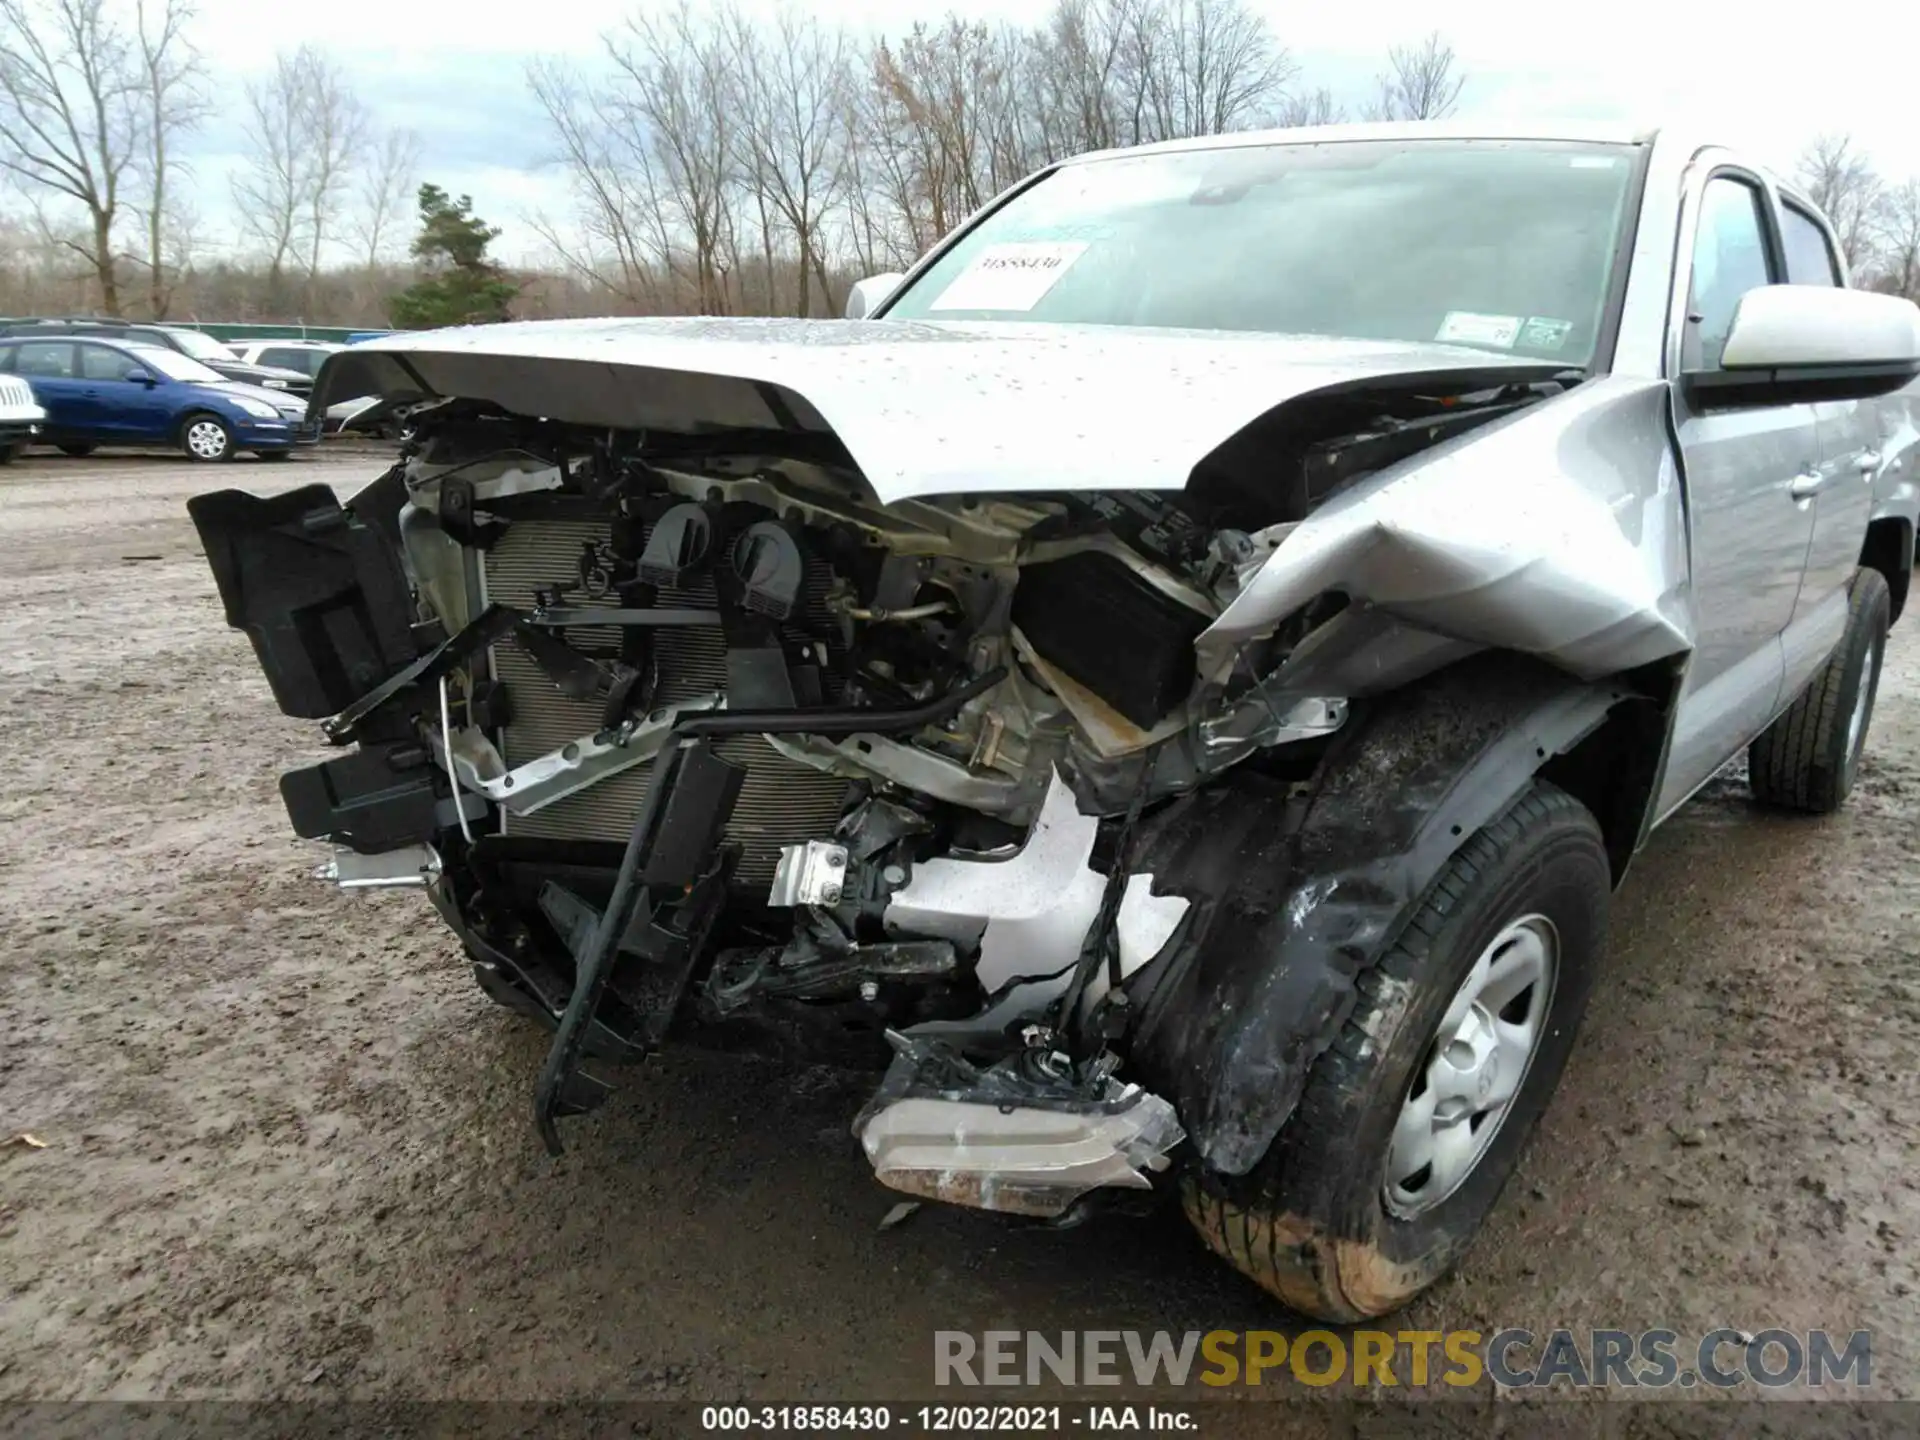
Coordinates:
1805 485
1867 461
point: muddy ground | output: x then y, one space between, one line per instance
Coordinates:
287 1142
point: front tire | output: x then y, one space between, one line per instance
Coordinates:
1809 757
206 438
1429 1073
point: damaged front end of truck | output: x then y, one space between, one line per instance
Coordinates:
805 688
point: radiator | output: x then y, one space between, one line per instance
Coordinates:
781 803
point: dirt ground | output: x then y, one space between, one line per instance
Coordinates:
288 1149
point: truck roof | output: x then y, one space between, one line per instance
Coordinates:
1597 132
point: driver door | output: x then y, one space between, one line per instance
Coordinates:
1751 474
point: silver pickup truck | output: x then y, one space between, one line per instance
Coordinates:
1172 683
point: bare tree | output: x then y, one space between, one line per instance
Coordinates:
788 142
270 190
1208 66
305 127
69 117
942 124
1308 107
336 124
1074 72
1841 180
172 101
613 240
385 193
1419 84
675 103
1898 234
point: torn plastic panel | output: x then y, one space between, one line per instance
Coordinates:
1029 912
320 594
1296 891
1025 1136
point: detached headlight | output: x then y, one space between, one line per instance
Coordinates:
259 409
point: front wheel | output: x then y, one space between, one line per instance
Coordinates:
1413 1119
206 438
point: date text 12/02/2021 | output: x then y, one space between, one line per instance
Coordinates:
950 1419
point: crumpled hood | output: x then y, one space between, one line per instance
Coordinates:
923 408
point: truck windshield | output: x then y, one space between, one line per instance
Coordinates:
1498 245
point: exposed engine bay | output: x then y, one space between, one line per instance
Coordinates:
687 733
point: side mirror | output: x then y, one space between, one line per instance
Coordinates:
868 295
1795 343
140 376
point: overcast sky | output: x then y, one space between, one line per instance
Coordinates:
453 70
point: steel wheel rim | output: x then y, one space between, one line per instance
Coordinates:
206 439
1474 1068
1862 706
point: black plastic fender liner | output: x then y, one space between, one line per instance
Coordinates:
320 593
1295 895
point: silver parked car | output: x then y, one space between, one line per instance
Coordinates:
363 412
1175 680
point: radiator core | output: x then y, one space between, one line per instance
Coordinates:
781 803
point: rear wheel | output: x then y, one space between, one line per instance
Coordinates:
79 452
206 438
1809 757
1413 1119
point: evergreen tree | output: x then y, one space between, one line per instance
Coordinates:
458 284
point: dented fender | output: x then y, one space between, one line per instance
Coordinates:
1294 896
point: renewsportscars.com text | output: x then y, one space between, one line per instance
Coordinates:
1511 1359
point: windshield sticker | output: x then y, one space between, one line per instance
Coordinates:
1010 277
1542 332
1463 327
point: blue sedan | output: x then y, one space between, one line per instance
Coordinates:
118 392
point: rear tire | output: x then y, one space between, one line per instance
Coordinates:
206 438
1808 758
78 452
1336 1220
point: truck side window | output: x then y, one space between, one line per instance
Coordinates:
1729 259
1809 258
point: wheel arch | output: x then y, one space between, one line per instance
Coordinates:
1297 890
1888 548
